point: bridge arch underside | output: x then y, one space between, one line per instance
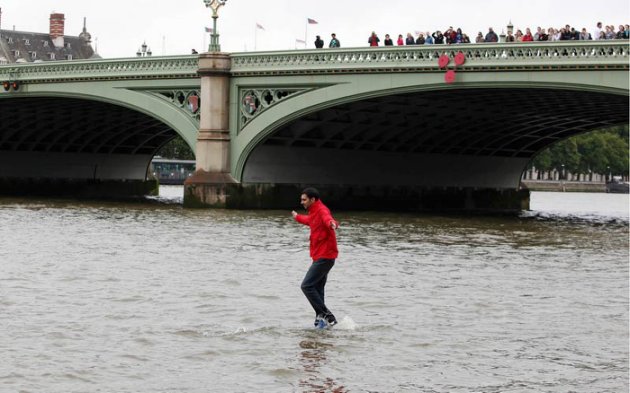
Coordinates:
475 138
77 140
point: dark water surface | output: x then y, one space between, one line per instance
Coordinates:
151 297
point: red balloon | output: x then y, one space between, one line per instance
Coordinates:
449 77
460 59
443 61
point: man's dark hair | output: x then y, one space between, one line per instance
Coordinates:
311 192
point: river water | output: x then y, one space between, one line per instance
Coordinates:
151 297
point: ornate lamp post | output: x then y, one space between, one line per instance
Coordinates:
214 37
143 51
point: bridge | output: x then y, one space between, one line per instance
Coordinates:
382 127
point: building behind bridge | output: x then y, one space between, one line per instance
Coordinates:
29 47
171 171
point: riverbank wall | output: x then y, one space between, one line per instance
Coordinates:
563 186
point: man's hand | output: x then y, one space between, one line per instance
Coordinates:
333 226
294 213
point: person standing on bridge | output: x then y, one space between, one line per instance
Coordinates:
598 31
334 42
492 36
323 250
319 43
373 40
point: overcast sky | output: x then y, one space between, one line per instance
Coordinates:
174 27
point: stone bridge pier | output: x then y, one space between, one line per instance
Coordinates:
212 184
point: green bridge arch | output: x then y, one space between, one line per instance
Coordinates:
338 90
141 97
97 120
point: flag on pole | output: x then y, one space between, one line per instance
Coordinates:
311 21
299 41
258 26
208 29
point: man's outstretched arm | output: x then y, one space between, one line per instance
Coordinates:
301 218
331 222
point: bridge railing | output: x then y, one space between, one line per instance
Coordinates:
534 55
563 54
165 67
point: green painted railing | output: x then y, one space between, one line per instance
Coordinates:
167 67
534 55
609 54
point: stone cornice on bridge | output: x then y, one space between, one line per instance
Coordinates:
564 55
167 67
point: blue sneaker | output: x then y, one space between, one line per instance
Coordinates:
322 324
318 318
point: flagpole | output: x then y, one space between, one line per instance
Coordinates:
305 33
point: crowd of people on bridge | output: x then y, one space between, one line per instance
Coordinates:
456 36
568 33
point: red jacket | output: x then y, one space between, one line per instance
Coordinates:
323 239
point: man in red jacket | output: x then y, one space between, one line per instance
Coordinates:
323 252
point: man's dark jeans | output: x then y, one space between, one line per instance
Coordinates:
314 282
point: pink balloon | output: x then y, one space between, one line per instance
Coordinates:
449 77
443 61
460 59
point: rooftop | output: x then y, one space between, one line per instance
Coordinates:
27 47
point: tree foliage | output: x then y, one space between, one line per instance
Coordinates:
177 148
603 151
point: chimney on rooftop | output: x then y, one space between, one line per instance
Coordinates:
57 22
